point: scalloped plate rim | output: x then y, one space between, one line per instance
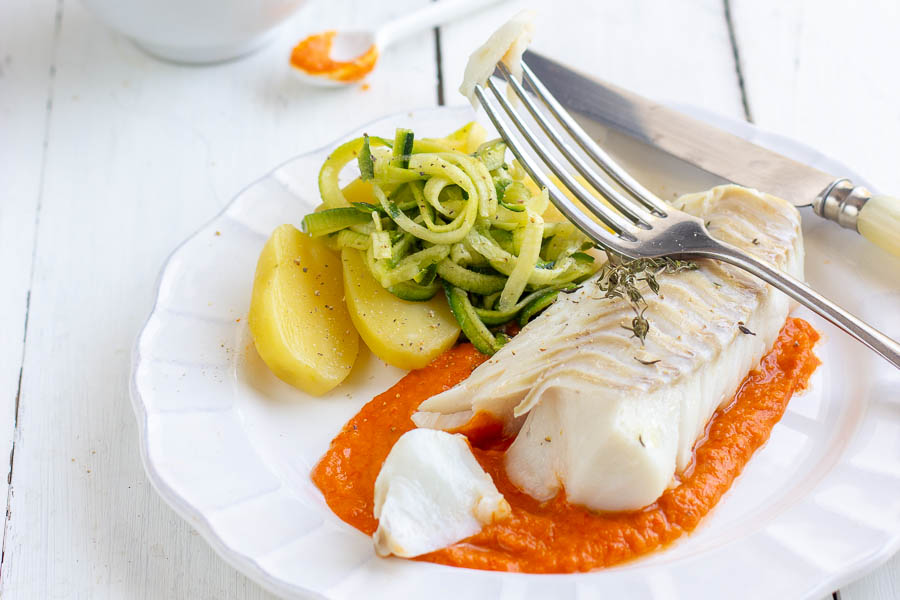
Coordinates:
248 565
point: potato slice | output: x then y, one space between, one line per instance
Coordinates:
465 139
553 214
298 319
359 191
401 333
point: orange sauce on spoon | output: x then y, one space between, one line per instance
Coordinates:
555 536
313 56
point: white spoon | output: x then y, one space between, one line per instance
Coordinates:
346 46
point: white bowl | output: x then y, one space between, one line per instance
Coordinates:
196 31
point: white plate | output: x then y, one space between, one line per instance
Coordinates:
230 447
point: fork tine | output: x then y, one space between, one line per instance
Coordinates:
572 212
610 217
609 166
631 209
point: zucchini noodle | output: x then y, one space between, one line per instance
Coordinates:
529 254
439 217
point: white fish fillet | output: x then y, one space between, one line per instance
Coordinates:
507 44
430 493
593 419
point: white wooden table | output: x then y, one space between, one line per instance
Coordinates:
109 158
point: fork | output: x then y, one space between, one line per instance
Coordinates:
640 224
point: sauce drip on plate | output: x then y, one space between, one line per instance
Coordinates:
313 56
555 536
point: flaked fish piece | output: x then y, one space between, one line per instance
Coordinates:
611 419
431 493
507 44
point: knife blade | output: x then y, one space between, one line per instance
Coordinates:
693 141
721 153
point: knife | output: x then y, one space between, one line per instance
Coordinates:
876 217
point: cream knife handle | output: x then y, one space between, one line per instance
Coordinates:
877 218
879 222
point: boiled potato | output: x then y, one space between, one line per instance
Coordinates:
553 214
401 333
298 319
359 191
465 139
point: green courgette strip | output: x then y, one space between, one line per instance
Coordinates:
329 189
499 317
401 249
431 193
407 268
505 262
529 254
471 281
472 326
347 238
333 220
492 154
440 217
415 292
461 224
540 300
524 309
480 177
403 148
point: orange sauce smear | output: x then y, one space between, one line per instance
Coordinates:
555 536
313 55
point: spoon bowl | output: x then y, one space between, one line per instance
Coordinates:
345 51
350 45
334 59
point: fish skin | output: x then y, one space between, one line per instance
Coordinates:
594 420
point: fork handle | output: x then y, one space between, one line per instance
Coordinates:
802 293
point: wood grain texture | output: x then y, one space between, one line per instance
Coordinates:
673 52
881 584
27 35
825 73
140 153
